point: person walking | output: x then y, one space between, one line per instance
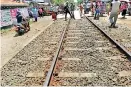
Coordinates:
129 8
81 9
66 10
55 9
72 8
102 8
88 6
54 13
40 11
115 10
124 9
107 7
93 4
35 13
30 14
97 12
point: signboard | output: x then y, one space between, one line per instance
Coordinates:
13 15
24 12
6 18
0 19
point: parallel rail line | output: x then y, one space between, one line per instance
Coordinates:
128 54
51 70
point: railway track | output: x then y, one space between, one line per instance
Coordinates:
122 34
29 66
73 53
87 56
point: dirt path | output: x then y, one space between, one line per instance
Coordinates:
11 45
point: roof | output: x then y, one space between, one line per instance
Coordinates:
12 3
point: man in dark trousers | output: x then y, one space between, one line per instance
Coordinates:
72 8
66 9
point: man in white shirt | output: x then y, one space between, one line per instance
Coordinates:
115 10
88 5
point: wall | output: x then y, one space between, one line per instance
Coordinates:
8 16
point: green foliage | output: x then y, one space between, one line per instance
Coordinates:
62 1
70 1
79 1
58 1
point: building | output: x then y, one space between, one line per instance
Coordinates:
37 1
12 3
9 10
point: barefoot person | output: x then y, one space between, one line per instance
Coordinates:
115 7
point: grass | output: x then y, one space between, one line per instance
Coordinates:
6 29
31 22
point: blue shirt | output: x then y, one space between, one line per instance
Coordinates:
35 11
19 18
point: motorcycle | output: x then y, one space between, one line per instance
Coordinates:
22 28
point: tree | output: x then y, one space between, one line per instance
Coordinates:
58 1
70 1
79 1
62 1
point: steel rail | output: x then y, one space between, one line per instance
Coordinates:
122 48
50 72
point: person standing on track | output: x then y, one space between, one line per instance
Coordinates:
97 12
72 8
88 6
115 10
66 10
81 9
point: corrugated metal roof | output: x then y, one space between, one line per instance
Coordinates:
12 3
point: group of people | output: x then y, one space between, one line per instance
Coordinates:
35 12
99 8
114 10
69 10
96 8
66 10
